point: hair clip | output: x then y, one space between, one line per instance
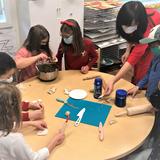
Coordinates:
68 23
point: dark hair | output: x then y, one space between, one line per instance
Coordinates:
36 34
6 63
132 10
77 43
10 113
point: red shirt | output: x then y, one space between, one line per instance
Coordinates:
141 57
25 107
74 62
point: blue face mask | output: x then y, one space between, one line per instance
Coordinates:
68 40
156 51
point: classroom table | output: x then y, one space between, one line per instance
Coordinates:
82 142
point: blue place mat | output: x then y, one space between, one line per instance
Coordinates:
95 112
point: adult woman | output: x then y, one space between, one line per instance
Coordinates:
133 23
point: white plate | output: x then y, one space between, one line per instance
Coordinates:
78 94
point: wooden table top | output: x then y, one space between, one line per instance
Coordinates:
82 143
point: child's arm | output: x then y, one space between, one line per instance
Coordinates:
127 52
39 124
24 58
143 82
34 105
57 140
110 85
93 54
33 115
23 151
36 114
25 62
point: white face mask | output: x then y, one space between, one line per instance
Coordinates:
9 80
68 40
129 29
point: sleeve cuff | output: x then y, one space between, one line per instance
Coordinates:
25 116
25 105
140 85
42 154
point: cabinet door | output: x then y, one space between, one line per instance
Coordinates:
73 9
46 13
50 12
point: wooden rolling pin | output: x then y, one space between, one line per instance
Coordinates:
135 110
92 77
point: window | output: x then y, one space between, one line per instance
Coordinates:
4 14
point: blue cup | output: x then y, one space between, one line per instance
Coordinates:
120 99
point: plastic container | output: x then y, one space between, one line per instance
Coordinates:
120 99
97 87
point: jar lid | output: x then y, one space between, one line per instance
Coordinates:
121 92
98 80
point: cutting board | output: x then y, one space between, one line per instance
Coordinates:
95 112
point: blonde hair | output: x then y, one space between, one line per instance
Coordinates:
10 113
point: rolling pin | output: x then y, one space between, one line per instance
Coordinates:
135 110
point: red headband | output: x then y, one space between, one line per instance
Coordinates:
68 23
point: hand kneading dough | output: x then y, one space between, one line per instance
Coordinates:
42 132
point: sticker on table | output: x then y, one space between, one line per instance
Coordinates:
94 113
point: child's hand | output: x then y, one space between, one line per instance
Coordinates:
133 91
56 140
35 105
85 69
59 138
42 56
108 87
36 115
39 124
54 58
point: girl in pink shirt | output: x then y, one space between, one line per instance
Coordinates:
35 48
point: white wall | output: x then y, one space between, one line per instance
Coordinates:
44 12
9 37
50 12
23 19
26 13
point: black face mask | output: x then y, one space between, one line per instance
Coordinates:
43 47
